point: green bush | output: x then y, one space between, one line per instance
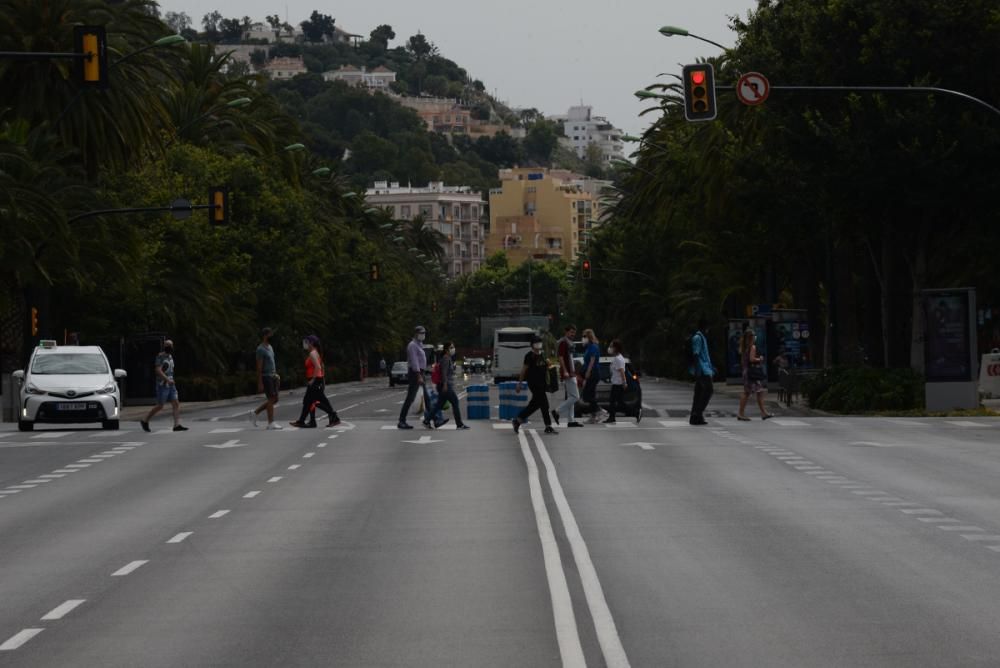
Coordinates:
865 390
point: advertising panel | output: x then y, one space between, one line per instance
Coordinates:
948 352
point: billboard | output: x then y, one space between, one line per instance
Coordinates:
948 353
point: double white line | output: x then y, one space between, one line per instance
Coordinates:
570 647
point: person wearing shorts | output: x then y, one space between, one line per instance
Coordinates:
166 389
268 381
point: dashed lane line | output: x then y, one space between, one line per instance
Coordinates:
217 514
18 639
63 609
129 568
181 537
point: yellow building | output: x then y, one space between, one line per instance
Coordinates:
541 213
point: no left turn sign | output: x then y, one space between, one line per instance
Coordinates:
752 89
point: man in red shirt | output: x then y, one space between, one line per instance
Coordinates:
567 371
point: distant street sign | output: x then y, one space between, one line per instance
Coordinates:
181 209
752 88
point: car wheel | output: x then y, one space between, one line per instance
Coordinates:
109 424
25 426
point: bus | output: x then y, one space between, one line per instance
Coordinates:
510 345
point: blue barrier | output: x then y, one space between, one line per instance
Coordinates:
478 402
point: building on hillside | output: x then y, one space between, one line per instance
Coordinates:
285 68
376 79
454 211
440 114
542 214
582 128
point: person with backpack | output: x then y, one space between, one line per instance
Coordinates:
443 377
536 371
315 387
700 366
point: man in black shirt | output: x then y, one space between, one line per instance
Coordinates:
535 371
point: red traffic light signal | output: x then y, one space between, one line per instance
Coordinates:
699 92
585 269
92 64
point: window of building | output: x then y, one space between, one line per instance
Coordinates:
425 210
404 212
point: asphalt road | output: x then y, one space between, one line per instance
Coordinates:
799 541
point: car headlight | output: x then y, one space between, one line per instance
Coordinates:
108 389
32 389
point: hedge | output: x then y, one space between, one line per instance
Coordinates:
865 390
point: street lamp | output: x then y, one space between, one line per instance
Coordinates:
321 171
669 31
295 147
169 40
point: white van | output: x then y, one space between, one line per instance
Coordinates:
510 345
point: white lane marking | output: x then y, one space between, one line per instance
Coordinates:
179 538
870 492
604 623
77 466
89 461
502 425
321 445
225 431
20 487
52 475
275 478
980 536
909 422
308 455
217 514
808 468
819 472
52 434
336 435
937 520
19 638
920 511
250 495
294 467
9 433
967 423
899 503
36 482
953 527
567 635
130 567
104 455
66 471
790 423
889 499
347 408
673 423
9 491
64 609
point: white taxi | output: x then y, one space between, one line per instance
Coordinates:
68 385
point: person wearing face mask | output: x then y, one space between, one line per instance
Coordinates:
446 388
166 390
536 371
315 387
416 365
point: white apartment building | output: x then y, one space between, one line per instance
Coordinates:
582 128
285 68
376 79
456 212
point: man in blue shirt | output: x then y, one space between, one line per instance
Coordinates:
703 371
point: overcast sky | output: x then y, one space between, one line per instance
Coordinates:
548 55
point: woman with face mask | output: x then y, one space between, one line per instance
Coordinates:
446 388
536 371
315 387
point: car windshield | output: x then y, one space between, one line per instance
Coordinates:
399 366
69 364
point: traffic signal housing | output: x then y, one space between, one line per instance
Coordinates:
699 92
218 206
90 43
34 321
374 275
585 268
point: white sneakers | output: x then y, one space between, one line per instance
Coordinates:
274 425
253 417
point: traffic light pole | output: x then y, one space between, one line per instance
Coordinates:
141 209
883 89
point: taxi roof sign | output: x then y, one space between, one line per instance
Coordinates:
47 343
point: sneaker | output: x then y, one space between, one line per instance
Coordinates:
461 426
638 415
438 425
517 425
550 430
253 417
298 424
555 416
403 425
427 424
334 421
180 427
766 417
144 425
574 424
274 425
610 420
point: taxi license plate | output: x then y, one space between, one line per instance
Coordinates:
71 407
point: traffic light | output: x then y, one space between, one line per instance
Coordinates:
434 307
585 268
218 201
34 321
699 92
92 67
373 273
